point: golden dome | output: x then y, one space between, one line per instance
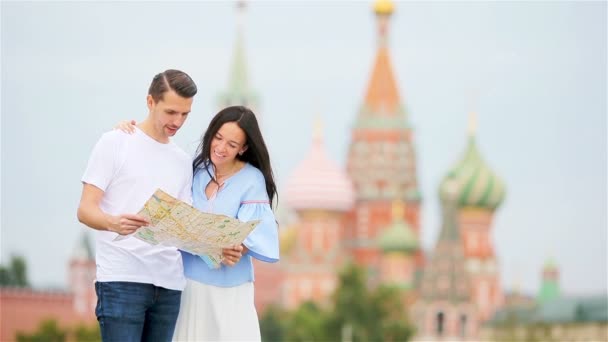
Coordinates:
384 7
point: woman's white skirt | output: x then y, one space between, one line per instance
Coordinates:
212 313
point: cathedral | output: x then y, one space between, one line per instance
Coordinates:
368 212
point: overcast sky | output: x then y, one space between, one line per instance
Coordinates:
534 71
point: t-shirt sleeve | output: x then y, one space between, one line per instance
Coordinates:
263 241
102 163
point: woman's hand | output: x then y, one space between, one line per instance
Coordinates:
232 255
126 126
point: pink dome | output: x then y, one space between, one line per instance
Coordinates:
319 183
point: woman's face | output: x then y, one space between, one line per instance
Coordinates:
229 140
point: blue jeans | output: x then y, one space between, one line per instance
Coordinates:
136 311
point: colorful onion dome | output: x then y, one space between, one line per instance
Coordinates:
471 181
399 236
549 288
318 182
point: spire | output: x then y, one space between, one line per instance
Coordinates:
83 250
382 97
239 91
472 124
449 229
383 10
317 130
517 284
382 139
473 101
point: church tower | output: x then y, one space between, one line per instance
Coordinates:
239 92
444 310
398 243
549 288
381 158
479 192
82 271
321 193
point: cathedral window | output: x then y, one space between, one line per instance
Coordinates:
317 238
463 326
439 324
484 294
306 289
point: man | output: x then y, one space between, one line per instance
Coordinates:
138 285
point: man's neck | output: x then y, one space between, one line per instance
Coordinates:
148 128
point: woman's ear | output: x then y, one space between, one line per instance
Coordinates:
243 150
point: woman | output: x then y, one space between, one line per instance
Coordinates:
232 176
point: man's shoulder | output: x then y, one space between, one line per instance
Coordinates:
181 153
115 136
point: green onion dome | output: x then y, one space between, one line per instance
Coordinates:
476 185
399 236
549 288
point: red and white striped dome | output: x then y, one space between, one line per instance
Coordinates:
318 182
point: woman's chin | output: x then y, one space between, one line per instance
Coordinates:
217 160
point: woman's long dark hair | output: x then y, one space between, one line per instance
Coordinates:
256 153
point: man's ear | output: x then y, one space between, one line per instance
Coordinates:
150 102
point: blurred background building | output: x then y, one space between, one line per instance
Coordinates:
23 309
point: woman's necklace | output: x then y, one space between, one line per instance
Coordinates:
212 190
220 177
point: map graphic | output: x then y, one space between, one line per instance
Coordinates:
178 224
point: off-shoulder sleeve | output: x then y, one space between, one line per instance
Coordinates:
263 241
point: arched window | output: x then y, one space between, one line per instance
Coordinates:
439 323
463 326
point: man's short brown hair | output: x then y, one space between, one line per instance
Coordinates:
172 79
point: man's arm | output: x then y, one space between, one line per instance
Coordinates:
91 214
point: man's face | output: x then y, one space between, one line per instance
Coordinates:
168 114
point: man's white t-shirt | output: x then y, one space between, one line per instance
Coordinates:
129 168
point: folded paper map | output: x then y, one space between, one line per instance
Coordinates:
178 224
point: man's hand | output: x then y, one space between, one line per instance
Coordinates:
126 224
232 255
90 213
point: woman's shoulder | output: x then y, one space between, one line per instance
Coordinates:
253 182
253 173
